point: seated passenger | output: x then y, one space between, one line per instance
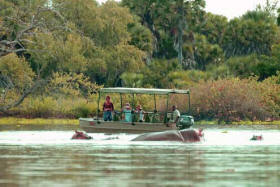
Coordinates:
108 108
140 111
127 113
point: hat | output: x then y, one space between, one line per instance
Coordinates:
127 105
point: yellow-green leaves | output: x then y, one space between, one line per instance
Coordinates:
72 84
51 53
115 20
106 25
16 71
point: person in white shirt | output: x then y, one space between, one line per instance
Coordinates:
174 117
175 114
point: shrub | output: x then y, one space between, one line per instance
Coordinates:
39 107
232 100
180 79
243 66
82 111
235 99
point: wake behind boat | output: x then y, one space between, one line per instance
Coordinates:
135 125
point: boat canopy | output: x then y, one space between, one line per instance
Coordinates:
143 91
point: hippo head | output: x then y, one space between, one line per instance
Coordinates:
81 136
191 135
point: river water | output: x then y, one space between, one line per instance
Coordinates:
227 157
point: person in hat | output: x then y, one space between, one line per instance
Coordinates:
108 108
127 113
140 111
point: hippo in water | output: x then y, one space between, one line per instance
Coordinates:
186 135
257 138
81 136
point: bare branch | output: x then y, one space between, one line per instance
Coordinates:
12 50
37 84
29 28
6 42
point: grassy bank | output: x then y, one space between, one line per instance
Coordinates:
37 121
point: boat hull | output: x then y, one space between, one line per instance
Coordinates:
93 126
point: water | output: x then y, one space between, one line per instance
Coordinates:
226 158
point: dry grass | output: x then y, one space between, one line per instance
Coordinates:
37 121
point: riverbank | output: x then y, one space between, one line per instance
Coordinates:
37 121
215 122
54 121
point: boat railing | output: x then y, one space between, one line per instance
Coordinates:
149 116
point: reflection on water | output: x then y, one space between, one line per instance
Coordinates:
48 158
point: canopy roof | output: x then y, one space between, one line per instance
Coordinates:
143 91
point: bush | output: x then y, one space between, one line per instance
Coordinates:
39 107
252 65
59 107
232 100
82 111
180 79
235 100
243 66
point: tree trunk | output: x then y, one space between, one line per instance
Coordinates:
181 27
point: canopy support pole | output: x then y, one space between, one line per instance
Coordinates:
166 110
121 101
98 101
132 110
155 102
133 103
189 103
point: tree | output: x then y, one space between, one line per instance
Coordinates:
206 53
141 37
16 81
168 21
21 19
106 25
24 24
156 73
254 32
123 58
214 28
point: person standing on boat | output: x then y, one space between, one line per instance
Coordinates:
108 108
175 114
140 111
127 113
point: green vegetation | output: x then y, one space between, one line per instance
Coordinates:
54 56
37 121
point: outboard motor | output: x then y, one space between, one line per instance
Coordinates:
185 122
80 136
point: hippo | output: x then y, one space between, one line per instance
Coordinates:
187 136
257 138
81 136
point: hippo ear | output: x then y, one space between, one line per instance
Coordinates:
200 132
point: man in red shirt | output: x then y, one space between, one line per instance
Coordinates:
108 108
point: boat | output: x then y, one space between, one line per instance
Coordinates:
98 125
